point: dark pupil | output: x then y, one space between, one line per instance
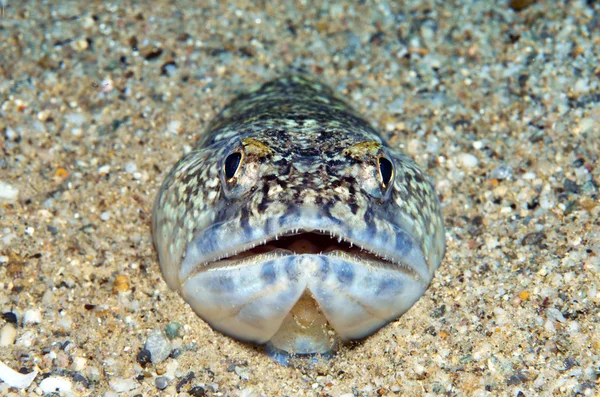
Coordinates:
385 167
232 162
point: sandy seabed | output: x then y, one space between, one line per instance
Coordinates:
499 102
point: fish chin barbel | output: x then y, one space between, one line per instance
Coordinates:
293 223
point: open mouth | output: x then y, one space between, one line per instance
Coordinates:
297 285
298 242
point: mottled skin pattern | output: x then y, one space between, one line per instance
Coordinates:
302 147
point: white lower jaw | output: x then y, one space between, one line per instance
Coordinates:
254 302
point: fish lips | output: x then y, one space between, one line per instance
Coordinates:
248 294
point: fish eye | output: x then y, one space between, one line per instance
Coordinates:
386 171
232 164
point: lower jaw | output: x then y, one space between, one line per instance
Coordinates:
295 302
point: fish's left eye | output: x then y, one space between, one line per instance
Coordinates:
386 171
232 163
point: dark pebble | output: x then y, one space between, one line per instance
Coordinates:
52 229
133 43
570 363
186 379
65 345
571 187
197 391
537 136
516 379
439 312
519 5
161 382
430 330
10 317
183 37
578 163
247 51
571 205
535 238
534 203
153 54
477 220
77 377
176 353
144 357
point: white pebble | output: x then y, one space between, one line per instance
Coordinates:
105 216
32 316
65 323
158 345
555 315
48 298
242 372
79 364
75 118
103 170
174 126
130 167
55 384
468 160
14 378
581 85
8 334
586 124
26 339
93 374
10 134
121 385
7 192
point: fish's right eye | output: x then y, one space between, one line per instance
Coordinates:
386 171
232 164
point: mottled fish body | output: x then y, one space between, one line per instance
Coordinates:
292 222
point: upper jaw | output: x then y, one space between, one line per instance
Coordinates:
390 247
